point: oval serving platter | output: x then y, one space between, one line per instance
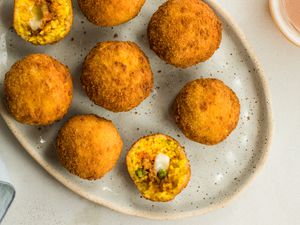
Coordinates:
219 172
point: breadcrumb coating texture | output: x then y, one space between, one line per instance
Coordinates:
110 12
184 32
38 90
207 111
88 146
117 75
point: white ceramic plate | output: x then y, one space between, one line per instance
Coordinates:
218 172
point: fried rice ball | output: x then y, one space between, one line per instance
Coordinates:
207 111
110 12
117 75
38 90
184 32
88 146
43 22
158 166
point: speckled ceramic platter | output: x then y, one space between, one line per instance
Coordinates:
218 172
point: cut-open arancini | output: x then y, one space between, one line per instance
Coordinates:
43 22
159 167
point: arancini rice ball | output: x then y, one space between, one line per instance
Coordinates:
207 111
184 32
88 146
110 12
38 90
42 22
159 167
117 75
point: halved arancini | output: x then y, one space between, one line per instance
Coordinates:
42 22
159 167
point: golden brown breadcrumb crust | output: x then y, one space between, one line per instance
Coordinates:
38 90
207 111
117 75
184 32
110 12
88 146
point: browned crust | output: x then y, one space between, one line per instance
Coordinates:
110 12
184 32
72 150
183 115
21 111
121 86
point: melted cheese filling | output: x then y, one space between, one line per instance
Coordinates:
161 162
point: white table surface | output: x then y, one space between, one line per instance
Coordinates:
274 196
